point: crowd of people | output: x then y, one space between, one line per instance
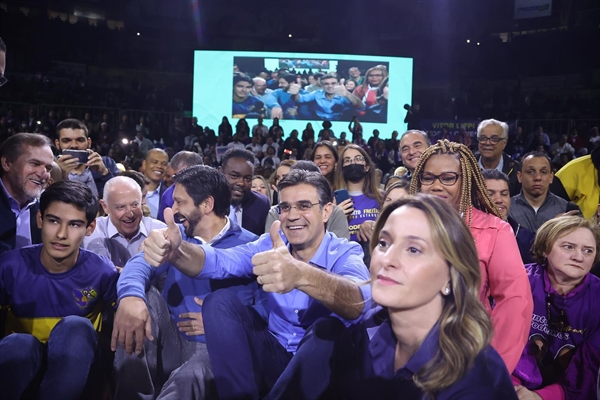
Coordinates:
315 266
308 95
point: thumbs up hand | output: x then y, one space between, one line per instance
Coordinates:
340 90
277 270
160 244
294 89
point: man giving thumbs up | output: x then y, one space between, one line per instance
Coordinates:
313 284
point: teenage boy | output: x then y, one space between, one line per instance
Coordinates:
56 293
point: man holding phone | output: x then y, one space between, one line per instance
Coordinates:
77 161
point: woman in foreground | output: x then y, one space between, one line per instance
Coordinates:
429 338
562 358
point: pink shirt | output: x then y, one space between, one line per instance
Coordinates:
503 277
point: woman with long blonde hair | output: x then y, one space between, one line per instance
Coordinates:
430 335
450 171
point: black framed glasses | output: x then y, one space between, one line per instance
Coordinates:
446 178
3 80
492 140
355 160
301 207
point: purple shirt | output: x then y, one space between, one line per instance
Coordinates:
569 323
488 378
365 209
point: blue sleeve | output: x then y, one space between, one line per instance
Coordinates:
306 98
136 277
166 200
233 262
271 102
353 267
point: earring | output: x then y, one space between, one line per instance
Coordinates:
447 291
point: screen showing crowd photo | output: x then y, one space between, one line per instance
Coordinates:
301 88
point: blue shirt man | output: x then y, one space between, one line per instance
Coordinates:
177 339
309 276
330 103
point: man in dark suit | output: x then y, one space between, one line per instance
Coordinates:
154 168
492 136
26 160
248 207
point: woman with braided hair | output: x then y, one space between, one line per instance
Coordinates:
449 171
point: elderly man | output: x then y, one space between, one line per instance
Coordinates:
412 144
492 136
314 286
175 364
264 94
119 235
26 164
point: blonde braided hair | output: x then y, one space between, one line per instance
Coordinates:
473 191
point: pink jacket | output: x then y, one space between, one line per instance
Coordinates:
503 277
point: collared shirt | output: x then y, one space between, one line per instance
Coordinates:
107 241
218 236
488 378
86 178
325 108
23 217
499 167
153 201
522 212
292 313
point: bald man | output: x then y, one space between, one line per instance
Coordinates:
119 235
154 167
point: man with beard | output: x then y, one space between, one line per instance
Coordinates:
154 168
26 164
119 235
248 207
284 97
176 365
331 103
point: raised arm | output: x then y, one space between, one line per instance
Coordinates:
279 272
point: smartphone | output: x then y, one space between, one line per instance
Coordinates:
81 155
341 195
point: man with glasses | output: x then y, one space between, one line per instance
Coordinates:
3 79
314 284
536 204
492 136
248 209
331 103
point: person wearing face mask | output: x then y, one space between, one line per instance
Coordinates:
356 173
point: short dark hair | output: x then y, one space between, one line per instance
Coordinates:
329 76
201 182
315 179
420 132
237 153
184 159
495 175
2 45
157 151
74 193
319 75
305 165
244 78
71 123
536 154
12 148
138 177
289 78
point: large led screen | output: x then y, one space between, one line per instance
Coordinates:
298 88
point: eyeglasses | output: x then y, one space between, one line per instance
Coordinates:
355 160
301 207
492 140
3 80
446 179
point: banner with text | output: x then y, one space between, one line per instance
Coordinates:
436 126
532 8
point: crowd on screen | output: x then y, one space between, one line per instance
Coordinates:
287 94
318 264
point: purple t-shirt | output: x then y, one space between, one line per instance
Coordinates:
365 209
564 324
